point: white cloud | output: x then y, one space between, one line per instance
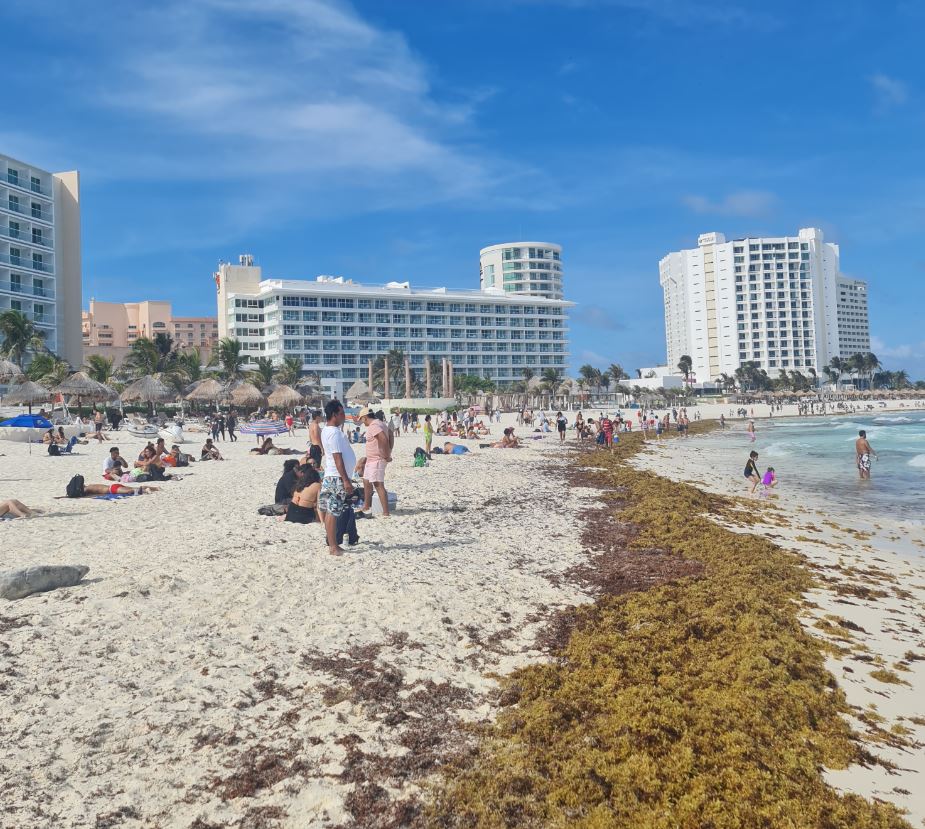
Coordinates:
907 351
888 92
739 203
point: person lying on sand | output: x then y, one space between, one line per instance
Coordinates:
12 508
62 440
450 448
93 490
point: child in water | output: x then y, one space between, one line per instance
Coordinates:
769 480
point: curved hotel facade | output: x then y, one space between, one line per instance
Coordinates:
335 326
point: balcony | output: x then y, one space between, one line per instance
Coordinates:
14 180
35 213
43 319
20 236
44 292
22 262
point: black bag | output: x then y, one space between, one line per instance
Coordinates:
347 525
75 487
273 509
53 449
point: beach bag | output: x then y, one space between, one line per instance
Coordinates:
75 487
273 509
420 457
53 449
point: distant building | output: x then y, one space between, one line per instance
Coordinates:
335 326
40 251
780 302
111 327
531 268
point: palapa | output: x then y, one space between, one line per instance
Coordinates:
148 389
207 391
284 397
246 395
27 393
83 387
9 371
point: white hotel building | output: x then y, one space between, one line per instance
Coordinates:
780 302
40 252
335 326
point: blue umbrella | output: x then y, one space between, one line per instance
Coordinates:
264 428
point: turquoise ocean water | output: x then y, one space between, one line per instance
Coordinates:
816 455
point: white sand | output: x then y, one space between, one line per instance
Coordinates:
887 556
183 649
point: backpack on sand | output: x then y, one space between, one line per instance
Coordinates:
75 487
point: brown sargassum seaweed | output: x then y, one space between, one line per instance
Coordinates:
699 703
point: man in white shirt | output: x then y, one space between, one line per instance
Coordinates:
336 488
114 465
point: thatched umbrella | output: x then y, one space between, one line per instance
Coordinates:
28 392
284 397
358 388
148 389
365 397
9 371
207 391
246 395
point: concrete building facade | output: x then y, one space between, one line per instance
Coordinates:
335 326
112 327
529 268
780 302
40 254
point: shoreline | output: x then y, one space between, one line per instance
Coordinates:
868 606
679 630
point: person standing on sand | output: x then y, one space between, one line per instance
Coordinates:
232 425
864 450
337 487
428 435
314 438
722 421
561 423
751 471
378 454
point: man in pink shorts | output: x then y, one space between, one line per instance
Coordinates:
377 456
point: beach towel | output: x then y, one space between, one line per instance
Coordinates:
110 497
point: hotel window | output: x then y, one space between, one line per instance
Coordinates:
36 210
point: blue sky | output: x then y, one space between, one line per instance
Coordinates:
391 139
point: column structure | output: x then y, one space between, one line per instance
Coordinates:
385 374
370 383
407 378
427 377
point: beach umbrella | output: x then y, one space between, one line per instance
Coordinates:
264 428
284 397
148 389
27 393
365 397
207 391
246 395
9 371
358 388
82 386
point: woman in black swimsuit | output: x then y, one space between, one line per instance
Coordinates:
305 498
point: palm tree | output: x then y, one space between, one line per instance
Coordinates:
20 336
685 364
527 374
229 358
144 358
99 368
189 364
263 374
587 374
290 371
901 378
48 369
814 376
163 343
617 373
871 364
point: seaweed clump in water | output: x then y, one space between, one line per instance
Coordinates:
698 703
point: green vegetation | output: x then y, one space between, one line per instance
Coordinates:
699 703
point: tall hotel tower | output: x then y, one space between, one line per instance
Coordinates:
780 302
40 252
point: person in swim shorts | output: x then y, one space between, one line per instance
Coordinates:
864 450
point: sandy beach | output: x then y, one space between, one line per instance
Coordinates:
216 668
207 639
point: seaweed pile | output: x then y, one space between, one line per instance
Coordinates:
698 702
